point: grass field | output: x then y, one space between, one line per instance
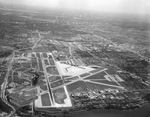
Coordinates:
59 95
40 65
9 79
94 80
16 65
95 87
99 75
105 82
41 82
94 71
34 62
57 83
79 86
54 78
26 65
84 75
111 71
41 49
22 69
45 99
41 73
52 70
38 55
18 80
49 56
46 62
44 55
44 87
67 81
33 55
72 78
51 61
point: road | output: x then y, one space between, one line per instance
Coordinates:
35 44
105 38
47 81
4 99
4 86
80 79
143 57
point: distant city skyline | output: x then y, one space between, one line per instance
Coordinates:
141 7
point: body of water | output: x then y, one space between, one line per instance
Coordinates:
144 111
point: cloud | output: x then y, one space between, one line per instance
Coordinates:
135 6
117 6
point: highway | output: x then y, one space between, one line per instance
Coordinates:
39 39
4 86
4 99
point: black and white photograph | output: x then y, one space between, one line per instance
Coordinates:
74 58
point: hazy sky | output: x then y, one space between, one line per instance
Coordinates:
117 6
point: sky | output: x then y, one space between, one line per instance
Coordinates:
141 7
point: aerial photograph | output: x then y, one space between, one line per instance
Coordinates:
74 58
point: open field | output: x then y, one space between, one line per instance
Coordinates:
52 70
59 96
55 85
45 100
46 62
54 78
99 75
72 59
97 87
79 86
51 61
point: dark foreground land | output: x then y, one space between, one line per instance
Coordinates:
144 111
